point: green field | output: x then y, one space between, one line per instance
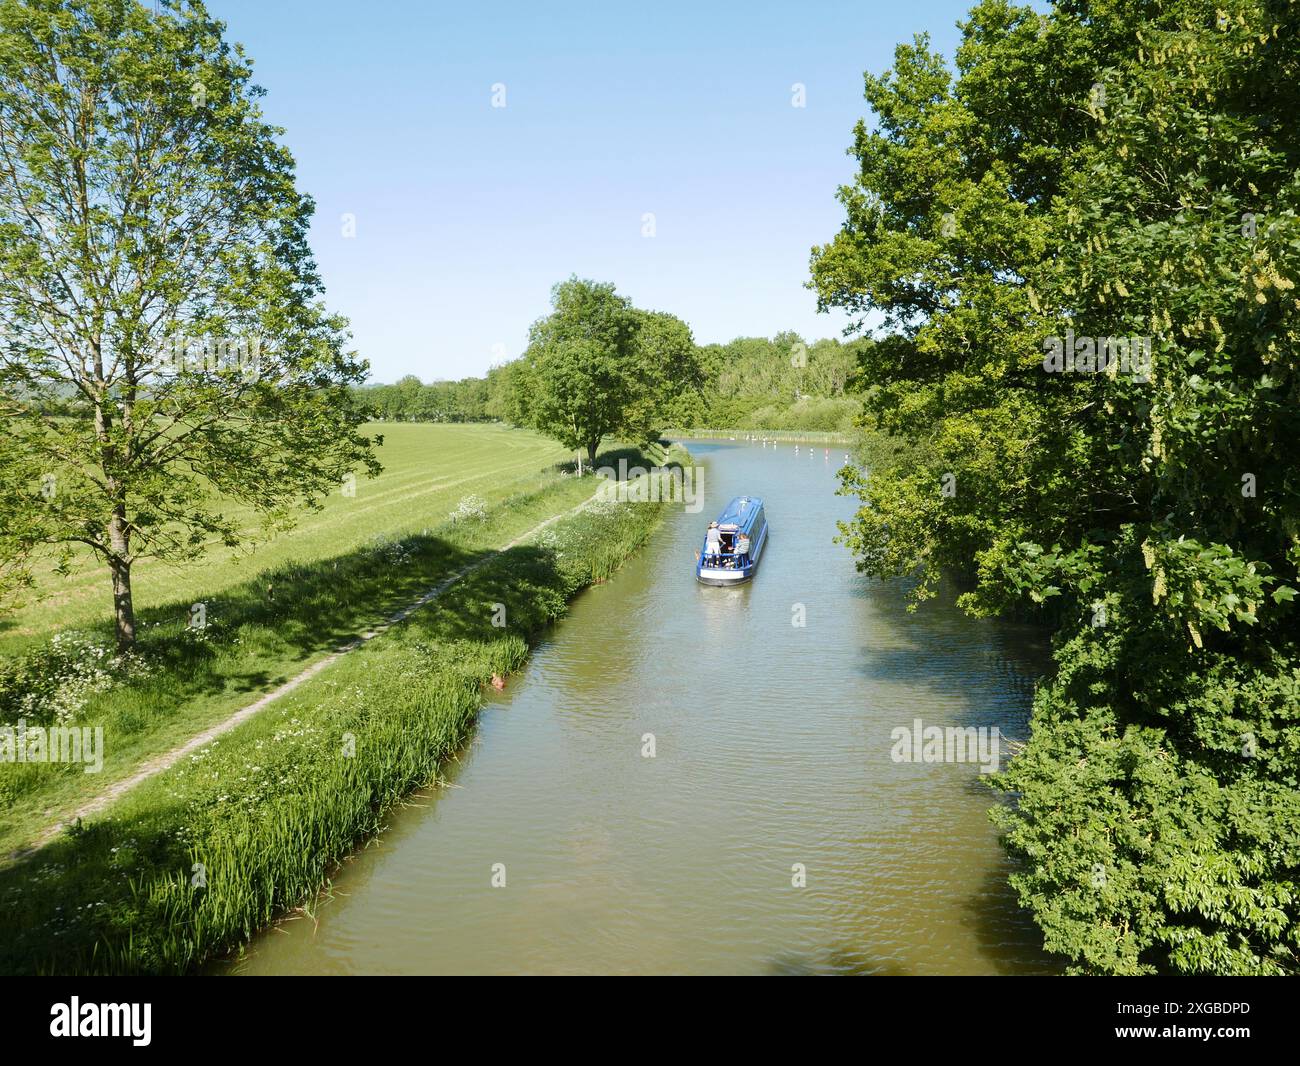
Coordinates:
270 614
428 469
270 809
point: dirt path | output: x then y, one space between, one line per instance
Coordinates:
159 763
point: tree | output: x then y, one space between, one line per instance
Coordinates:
998 217
166 355
504 393
18 525
672 375
582 372
409 394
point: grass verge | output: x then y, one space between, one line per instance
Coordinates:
256 636
194 861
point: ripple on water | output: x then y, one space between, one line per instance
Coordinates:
773 749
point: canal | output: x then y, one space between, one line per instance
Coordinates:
773 830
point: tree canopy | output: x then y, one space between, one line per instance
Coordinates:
166 359
780 382
1104 180
410 400
596 367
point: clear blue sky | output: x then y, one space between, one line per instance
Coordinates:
467 214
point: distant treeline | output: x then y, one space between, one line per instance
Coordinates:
781 382
410 400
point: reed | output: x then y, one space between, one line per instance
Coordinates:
256 634
197 859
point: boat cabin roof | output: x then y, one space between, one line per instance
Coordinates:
740 513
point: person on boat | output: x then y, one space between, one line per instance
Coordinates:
742 549
712 543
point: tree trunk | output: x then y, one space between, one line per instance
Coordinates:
119 564
123 611
592 445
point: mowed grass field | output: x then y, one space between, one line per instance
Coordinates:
428 469
269 810
269 614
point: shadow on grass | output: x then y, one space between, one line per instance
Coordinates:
653 455
66 904
89 900
255 631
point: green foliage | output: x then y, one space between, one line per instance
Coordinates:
671 368
778 383
581 374
164 345
1108 170
467 400
597 366
50 685
782 383
1161 832
19 526
272 807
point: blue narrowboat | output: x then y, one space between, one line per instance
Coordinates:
721 561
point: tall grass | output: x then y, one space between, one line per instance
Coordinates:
195 860
257 635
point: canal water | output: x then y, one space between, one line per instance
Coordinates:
773 831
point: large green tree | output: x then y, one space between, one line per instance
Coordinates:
672 375
1108 169
165 355
582 377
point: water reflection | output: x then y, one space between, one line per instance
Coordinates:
772 754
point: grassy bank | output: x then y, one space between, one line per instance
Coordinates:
195 860
428 470
256 636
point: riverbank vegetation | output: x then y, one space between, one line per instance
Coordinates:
194 668
1084 246
751 383
779 383
165 351
196 859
